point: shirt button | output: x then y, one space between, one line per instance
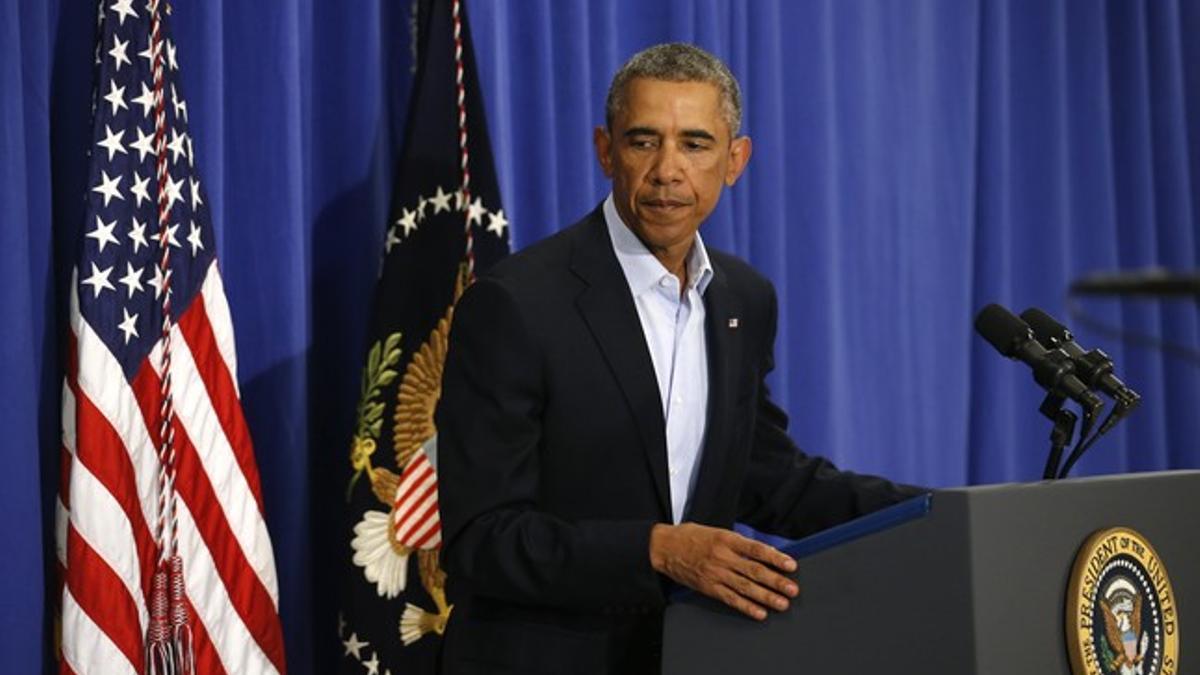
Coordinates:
673 472
678 400
664 282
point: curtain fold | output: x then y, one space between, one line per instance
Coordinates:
912 162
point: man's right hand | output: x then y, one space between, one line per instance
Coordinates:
743 573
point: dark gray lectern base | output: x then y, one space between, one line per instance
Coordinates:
978 585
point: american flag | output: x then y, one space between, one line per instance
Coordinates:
113 500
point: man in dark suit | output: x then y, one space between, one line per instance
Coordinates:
604 419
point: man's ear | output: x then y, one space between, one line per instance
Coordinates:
603 142
739 156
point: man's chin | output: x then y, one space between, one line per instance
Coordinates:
673 218
664 234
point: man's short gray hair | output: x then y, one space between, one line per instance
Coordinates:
677 62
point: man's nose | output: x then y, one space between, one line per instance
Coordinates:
668 165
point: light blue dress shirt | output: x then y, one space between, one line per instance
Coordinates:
673 324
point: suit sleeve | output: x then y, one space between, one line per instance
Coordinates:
792 494
489 433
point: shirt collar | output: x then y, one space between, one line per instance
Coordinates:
642 269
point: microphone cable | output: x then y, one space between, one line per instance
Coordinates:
1121 408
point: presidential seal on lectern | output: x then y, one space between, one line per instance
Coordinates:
1121 616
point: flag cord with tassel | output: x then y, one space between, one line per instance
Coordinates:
464 152
169 647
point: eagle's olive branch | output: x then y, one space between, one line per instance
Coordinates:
379 372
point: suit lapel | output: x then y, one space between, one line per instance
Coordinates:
722 312
608 309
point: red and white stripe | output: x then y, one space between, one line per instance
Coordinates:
415 517
109 494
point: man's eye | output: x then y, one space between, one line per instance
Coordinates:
695 146
643 143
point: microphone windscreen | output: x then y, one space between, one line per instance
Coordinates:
1002 329
1045 328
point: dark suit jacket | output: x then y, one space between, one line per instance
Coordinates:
552 458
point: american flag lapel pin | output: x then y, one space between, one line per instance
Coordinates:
733 323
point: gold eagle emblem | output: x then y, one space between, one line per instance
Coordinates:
377 548
1123 631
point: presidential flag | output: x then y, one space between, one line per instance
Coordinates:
446 224
164 555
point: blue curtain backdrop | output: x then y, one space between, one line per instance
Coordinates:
912 162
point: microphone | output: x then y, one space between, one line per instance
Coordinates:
1094 368
1151 281
1053 369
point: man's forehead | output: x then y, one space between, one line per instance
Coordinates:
648 101
649 90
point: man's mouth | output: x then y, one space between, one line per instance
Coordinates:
663 204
